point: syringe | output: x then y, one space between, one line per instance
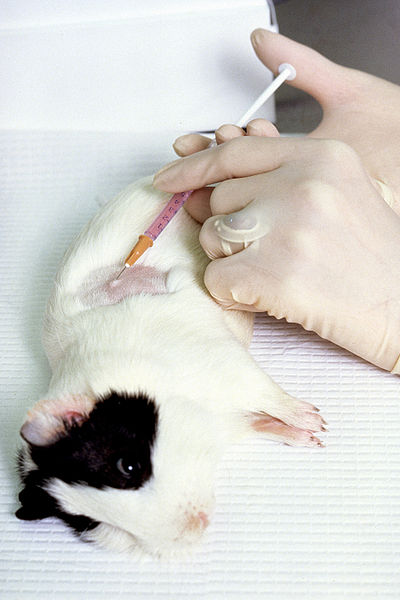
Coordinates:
286 72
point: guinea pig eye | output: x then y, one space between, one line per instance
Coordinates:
128 466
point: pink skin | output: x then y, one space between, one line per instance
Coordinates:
196 521
203 519
309 421
73 417
102 289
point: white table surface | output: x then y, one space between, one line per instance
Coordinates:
290 523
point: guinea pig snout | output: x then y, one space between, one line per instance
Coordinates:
196 522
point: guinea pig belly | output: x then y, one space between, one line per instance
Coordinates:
101 288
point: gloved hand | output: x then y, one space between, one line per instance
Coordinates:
358 109
329 256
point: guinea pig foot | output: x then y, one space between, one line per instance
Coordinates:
296 413
276 430
290 421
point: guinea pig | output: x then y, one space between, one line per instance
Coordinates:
151 382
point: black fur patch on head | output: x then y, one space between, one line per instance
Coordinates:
38 504
111 448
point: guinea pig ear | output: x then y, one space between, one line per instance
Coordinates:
50 419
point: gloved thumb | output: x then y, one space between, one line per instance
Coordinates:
233 283
224 235
326 81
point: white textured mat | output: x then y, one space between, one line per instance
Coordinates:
290 523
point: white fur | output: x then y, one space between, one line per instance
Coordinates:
179 348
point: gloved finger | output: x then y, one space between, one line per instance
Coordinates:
228 132
227 234
262 127
212 244
198 204
240 157
234 194
193 142
227 197
190 143
235 284
326 81
231 195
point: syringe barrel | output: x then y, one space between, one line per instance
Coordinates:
169 211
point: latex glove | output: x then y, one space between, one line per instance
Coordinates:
198 204
359 109
330 259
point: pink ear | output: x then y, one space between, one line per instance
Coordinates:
49 419
72 417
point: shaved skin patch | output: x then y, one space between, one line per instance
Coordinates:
101 287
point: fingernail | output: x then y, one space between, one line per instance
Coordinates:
180 144
239 220
254 130
257 36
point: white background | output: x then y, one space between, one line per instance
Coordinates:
130 65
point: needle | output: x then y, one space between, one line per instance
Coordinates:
120 273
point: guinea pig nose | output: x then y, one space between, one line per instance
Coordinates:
203 519
197 521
